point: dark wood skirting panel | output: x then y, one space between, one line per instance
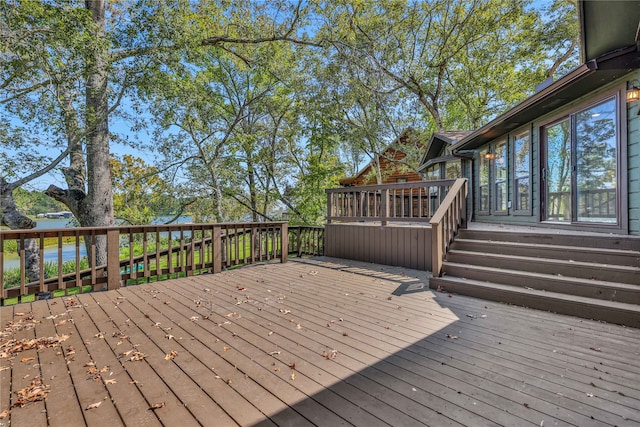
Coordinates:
399 245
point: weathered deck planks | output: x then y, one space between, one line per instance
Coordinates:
255 346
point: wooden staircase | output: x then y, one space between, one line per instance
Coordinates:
595 277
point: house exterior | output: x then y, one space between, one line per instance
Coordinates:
390 163
569 155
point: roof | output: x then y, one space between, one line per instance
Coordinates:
607 26
396 145
611 52
439 140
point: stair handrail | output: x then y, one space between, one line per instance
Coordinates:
450 216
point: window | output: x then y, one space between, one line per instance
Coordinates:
522 173
501 195
399 180
484 180
453 170
433 172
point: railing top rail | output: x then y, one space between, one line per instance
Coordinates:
399 185
448 200
69 232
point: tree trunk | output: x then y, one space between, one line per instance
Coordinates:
91 198
15 220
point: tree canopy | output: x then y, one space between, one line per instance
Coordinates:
246 109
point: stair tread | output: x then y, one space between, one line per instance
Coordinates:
590 282
584 264
548 246
545 294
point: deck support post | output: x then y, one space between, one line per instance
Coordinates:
284 242
113 259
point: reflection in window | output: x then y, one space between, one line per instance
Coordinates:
500 176
433 172
453 170
596 165
484 180
522 172
558 171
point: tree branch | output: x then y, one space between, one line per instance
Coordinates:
41 172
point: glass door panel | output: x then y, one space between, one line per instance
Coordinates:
596 163
500 177
558 171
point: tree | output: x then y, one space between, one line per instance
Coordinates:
68 65
459 61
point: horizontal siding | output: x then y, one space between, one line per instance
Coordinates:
401 246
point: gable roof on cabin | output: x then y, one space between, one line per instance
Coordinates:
599 33
438 141
390 151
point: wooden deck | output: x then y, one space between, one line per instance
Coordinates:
310 342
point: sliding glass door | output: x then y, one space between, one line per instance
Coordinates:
580 166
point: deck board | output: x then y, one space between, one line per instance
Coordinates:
255 346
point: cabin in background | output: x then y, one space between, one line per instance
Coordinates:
391 163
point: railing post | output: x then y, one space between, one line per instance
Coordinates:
216 245
284 242
299 242
436 249
329 207
384 205
113 259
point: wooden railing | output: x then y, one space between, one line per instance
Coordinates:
306 240
447 220
408 201
137 254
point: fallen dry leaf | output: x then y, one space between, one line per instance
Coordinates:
226 348
453 337
12 347
330 354
293 376
137 356
112 381
292 365
27 359
298 326
595 348
171 355
36 391
93 406
194 318
4 414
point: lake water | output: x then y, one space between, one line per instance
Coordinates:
68 250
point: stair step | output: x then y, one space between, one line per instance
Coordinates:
594 240
599 289
539 250
577 269
608 311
